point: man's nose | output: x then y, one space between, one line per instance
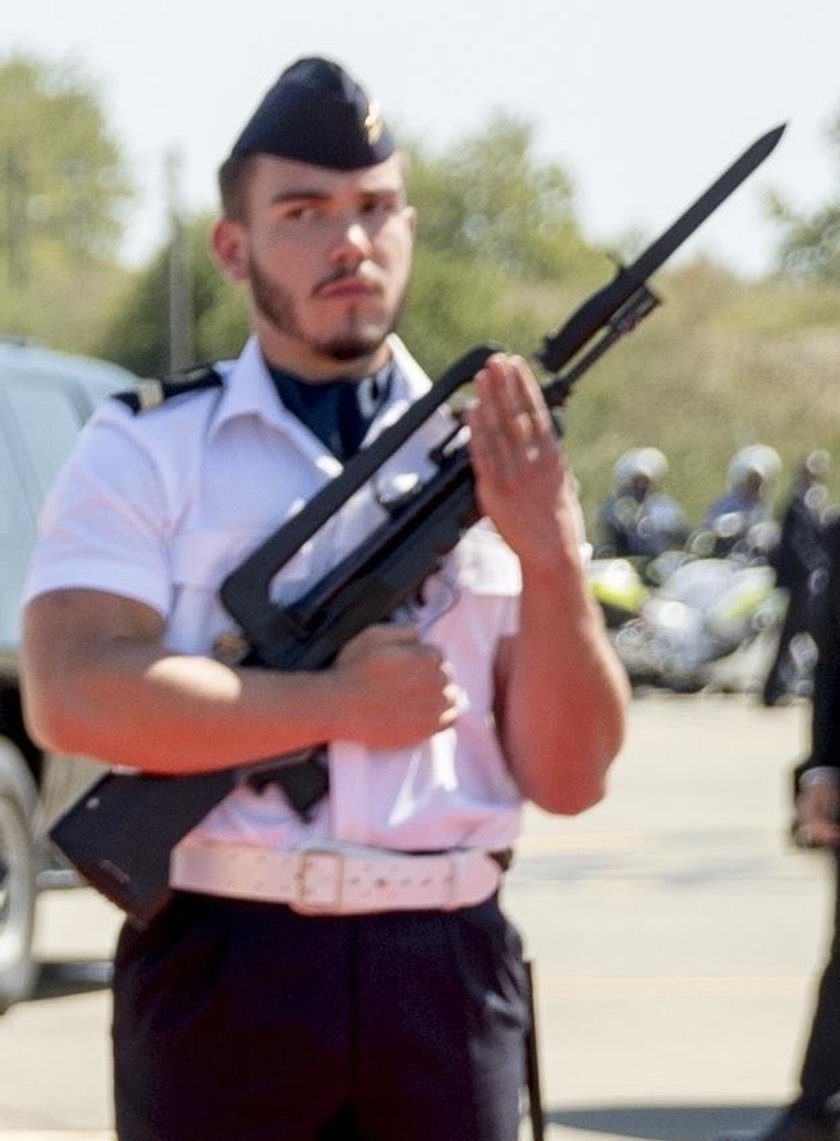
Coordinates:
352 240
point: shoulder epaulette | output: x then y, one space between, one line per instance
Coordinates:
152 393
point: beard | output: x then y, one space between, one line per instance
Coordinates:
360 339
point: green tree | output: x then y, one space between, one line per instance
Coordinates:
63 191
137 336
64 182
810 242
500 253
489 201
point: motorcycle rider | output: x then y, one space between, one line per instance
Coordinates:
637 518
738 517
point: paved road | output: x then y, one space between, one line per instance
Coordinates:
675 936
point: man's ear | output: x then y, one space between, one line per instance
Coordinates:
228 243
411 216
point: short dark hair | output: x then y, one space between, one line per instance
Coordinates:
234 178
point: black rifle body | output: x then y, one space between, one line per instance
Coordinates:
120 834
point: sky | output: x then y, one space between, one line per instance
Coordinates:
642 102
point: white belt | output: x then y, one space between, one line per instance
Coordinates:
336 880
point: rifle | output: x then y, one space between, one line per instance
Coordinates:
120 833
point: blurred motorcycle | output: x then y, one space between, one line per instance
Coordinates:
688 620
619 588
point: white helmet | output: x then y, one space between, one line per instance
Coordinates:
649 462
758 459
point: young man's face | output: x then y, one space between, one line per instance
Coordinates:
327 255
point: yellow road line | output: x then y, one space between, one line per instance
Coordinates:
607 986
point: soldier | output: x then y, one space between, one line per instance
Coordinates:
393 1004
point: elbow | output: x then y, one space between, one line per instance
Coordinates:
575 778
583 796
44 729
570 797
52 725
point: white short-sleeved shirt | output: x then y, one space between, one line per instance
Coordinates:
162 505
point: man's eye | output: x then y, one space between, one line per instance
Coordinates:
304 213
379 206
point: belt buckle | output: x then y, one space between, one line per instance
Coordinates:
320 880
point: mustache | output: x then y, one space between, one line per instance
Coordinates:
345 273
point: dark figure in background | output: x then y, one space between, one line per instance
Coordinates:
350 973
814 1114
638 519
800 562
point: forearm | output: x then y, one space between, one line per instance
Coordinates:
168 713
565 693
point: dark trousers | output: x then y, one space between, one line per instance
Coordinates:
247 1022
801 617
820 1076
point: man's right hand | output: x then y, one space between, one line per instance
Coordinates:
816 814
398 689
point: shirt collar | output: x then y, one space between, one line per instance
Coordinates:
249 389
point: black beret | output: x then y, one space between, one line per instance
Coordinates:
317 113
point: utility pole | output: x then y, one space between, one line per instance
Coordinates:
16 220
179 292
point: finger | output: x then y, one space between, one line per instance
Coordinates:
501 392
501 426
493 406
514 405
520 391
820 833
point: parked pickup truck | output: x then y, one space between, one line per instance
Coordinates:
45 398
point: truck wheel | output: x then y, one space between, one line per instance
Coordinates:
17 877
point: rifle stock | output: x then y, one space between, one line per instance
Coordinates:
120 834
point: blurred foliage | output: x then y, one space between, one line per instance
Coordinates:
63 193
137 337
810 244
488 202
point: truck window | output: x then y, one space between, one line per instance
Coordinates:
48 418
17 532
